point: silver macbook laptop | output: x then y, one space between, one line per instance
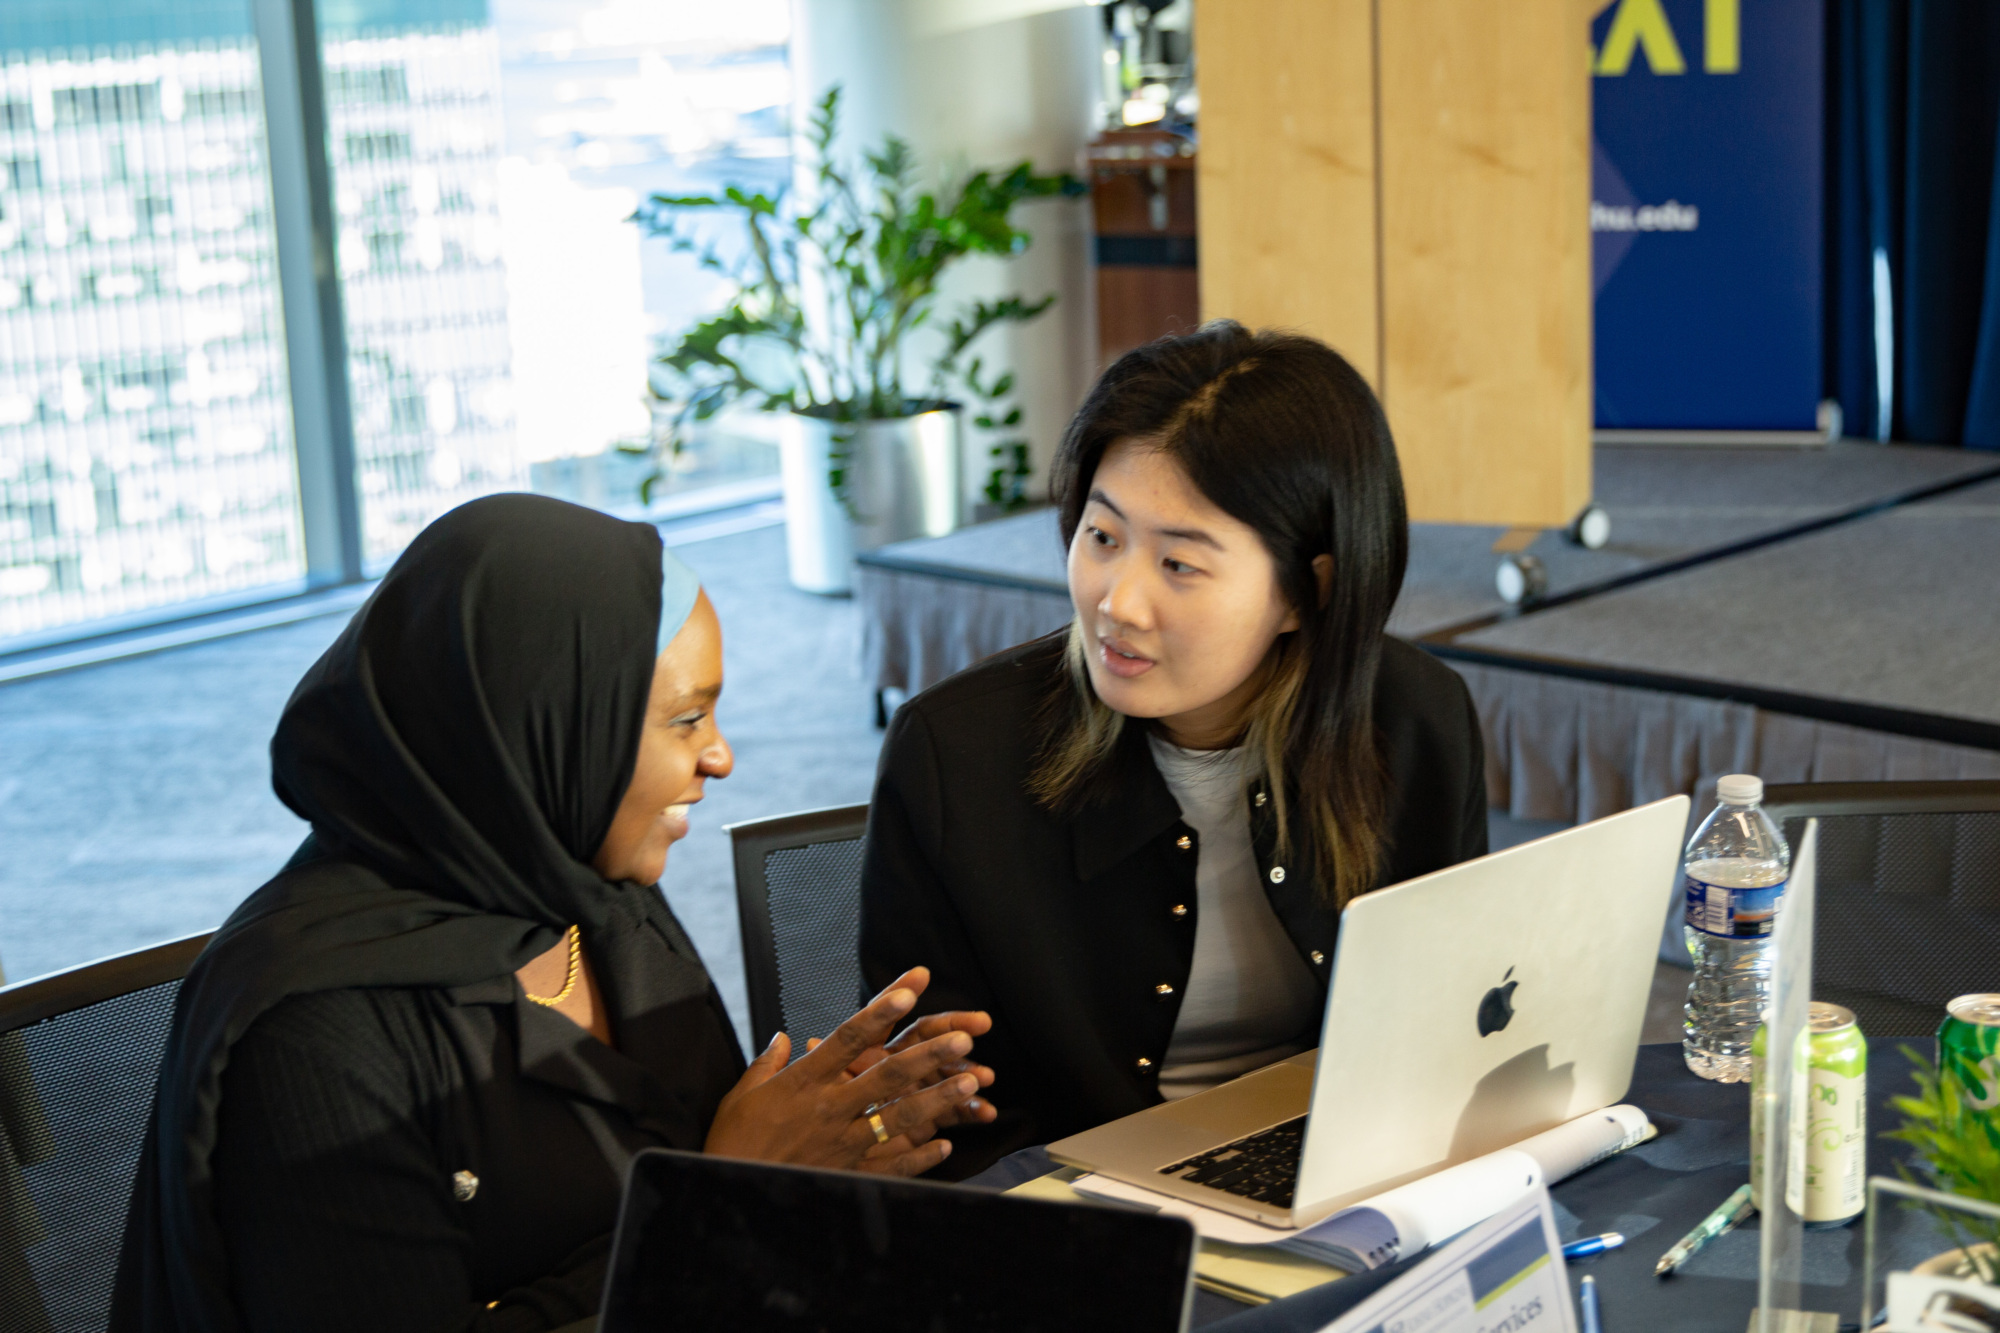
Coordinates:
1470 1008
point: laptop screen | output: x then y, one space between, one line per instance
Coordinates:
710 1243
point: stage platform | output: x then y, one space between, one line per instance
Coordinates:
1669 506
1806 614
1865 651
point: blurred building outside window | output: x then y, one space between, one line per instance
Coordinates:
605 104
145 433
413 146
501 312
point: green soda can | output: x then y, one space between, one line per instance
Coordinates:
1760 1093
1826 1169
1827 1184
1968 1058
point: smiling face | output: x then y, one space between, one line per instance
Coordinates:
679 750
1178 601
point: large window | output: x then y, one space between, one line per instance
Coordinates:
606 103
145 434
413 123
502 309
484 157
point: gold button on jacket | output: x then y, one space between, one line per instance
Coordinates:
1062 923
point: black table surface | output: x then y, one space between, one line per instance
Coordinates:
1653 1195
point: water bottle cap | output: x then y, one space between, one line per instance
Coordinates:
1740 788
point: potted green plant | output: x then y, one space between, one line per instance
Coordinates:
828 293
1958 1152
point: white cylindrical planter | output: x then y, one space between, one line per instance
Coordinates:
819 537
902 480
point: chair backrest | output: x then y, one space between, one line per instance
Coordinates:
79 1055
798 896
1908 889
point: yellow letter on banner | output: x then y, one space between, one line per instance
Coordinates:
1642 22
1722 41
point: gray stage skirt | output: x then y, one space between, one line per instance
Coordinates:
1556 748
1574 750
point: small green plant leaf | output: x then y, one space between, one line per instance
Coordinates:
1957 1150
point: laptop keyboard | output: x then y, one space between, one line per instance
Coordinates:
1263 1166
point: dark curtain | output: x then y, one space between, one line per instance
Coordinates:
1913 114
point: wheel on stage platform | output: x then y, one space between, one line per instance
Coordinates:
1591 529
1521 579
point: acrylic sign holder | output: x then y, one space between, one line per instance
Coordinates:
1780 1265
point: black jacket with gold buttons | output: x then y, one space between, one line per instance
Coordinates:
1077 933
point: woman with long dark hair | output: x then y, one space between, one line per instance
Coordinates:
1130 842
406 1076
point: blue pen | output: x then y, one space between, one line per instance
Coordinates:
1588 1298
1589 1245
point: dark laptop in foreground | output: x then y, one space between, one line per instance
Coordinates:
710 1243
1470 1008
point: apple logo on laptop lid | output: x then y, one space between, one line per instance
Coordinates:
1496 1011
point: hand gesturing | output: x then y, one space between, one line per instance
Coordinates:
813 1112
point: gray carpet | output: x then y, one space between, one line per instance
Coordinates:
135 799
1901 609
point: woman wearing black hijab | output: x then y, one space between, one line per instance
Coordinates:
407 1074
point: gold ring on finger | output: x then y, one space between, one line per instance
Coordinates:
875 1123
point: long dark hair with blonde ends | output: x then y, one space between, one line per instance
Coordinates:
1281 433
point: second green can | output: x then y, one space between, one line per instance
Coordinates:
1969 1059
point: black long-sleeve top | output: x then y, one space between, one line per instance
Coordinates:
1076 932
351 1038
404 1159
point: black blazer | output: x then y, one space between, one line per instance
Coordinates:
1077 933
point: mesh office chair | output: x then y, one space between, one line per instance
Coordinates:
79 1055
1908 895
798 896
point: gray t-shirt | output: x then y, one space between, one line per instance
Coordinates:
1250 999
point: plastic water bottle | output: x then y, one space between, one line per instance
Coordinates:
1736 867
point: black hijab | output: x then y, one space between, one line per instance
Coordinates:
460 752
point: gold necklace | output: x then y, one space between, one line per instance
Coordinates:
575 938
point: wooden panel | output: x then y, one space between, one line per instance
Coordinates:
1128 200
1138 304
1142 205
1486 256
1287 197
1141 183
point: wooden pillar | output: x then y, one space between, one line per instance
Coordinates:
1410 181
1287 169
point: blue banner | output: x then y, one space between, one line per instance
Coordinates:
1705 215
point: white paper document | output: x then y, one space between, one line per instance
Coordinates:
1506 1275
1405 1220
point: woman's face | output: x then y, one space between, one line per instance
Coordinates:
679 750
1178 601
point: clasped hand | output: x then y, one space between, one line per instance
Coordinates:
812 1112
